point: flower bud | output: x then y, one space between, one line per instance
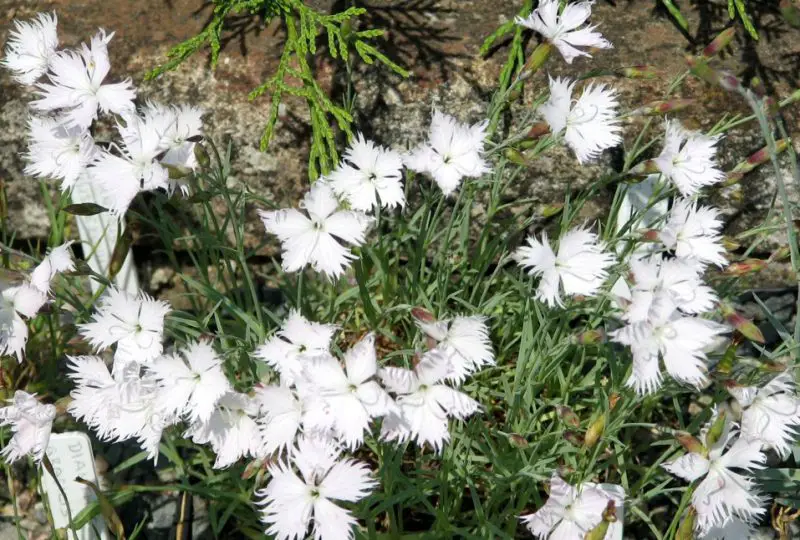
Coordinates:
613 399
568 416
595 431
730 244
690 443
538 130
728 359
537 59
252 468
590 337
780 254
754 160
728 81
745 267
177 172
686 528
423 315
722 40
658 108
518 440
514 156
645 168
717 429
201 155
742 324
552 210
650 235
637 72
574 438
700 69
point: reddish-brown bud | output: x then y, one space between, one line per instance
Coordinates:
423 315
689 442
518 440
658 108
747 266
722 40
568 416
742 324
538 130
650 235
574 438
613 399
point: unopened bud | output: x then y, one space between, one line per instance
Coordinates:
793 97
518 440
658 108
757 86
537 59
201 155
574 438
730 244
722 40
538 130
780 254
700 68
613 399
645 168
745 267
514 156
650 235
252 468
590 337
754 160
552 210
690 443
422 315
176 172
686 528
728 359
599 532
638 72
742 324
595 431
728 81
568 416
716 430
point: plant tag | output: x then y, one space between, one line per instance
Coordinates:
99 236
71 456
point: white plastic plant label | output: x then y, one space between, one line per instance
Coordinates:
71 456
99 236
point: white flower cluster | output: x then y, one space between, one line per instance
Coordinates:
322 407
22 301
319 409
61 145
663 299
369 176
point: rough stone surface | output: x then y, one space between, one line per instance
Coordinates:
439 41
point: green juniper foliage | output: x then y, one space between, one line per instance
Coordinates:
295 76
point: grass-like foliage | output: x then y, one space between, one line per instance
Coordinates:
511 369
306 29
